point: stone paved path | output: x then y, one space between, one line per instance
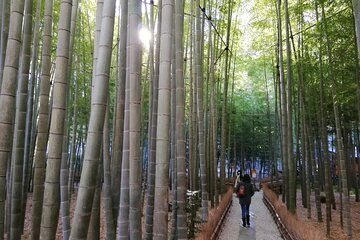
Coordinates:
262 225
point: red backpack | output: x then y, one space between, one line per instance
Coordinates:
241 191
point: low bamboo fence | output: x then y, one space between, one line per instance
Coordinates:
212 227
290 227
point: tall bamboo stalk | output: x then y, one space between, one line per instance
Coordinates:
339 137
7 100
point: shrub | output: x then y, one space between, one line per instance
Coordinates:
193 203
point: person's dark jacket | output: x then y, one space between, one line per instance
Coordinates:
249 192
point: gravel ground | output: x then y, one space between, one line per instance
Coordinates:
262 225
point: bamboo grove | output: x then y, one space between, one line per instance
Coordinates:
103 123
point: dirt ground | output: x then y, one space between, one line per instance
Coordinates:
336 232
27 227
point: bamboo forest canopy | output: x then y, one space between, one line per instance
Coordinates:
136 96
252 68
252 62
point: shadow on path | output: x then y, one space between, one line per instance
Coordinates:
262 225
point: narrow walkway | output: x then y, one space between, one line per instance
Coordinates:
262 225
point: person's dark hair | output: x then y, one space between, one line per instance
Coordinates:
238 172
246 178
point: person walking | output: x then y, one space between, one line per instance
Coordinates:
245 191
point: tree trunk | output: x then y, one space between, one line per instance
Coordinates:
329 194
290 158
30 126
200 117
117 151
135 117
108 201
339 138
160 230
94 224
16 226
316 175
283 110
51 202
1 20
4 27
153 128
356 12
192 119
64 191
7 99
224 113
154 72
96 124
99 16
123 219
1 39
180 122
277 115
173 162
43 126
213 122
64 175
75 82
308 169
73 143
304 150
